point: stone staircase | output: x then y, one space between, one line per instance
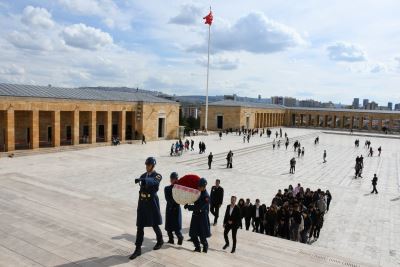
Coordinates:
50 225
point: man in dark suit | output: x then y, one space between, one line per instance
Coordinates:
258 214
231 222
217 197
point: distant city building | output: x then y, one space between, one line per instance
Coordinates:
309 103
277 100
284 101
289 102
356 103
390 105
372 106
365 103
397 107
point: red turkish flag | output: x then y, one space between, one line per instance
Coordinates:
208 18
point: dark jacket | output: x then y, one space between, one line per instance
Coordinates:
148 209
234 217
261 212
200 223
375 181
173 214
217 195
248 211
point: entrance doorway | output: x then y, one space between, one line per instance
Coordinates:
161 127
220 122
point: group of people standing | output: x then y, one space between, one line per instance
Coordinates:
294 214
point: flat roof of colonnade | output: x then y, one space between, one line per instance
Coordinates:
93 94
234 103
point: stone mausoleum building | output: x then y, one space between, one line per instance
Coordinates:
44 116
233 114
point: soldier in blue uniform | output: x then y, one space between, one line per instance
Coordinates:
200 223
148 209
173 214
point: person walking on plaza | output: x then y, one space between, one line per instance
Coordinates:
324 156
173 214
292 165
143 139
328 199
210 160
280 132
371 152
148 209
374 183
200 222
191 145
220 135
273 145
231 223
217 198
379 151
229 159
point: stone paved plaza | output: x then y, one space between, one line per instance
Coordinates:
78 208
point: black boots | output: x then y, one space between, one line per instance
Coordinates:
197 249
136 253
205 249
171 241
226 246
180 240
158 245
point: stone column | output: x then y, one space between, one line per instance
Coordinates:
342 122
34 129
10 130
351 122
316 122
361 122
108 126
75 127
391 124
134 124
380 124
370 122
55 127
333 125
92 127
122 125
325 121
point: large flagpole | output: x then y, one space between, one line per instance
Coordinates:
208 73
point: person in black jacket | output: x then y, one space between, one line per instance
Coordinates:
231 222
257 215
374 183
210 160
217 197
248 213
241 205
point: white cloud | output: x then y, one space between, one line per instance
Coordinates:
12 69
219 62
342 51
188 15
378 67
252 33
37 16
86 37
30 41
112 16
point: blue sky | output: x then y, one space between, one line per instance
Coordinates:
306 49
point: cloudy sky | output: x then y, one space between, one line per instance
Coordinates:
325 50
